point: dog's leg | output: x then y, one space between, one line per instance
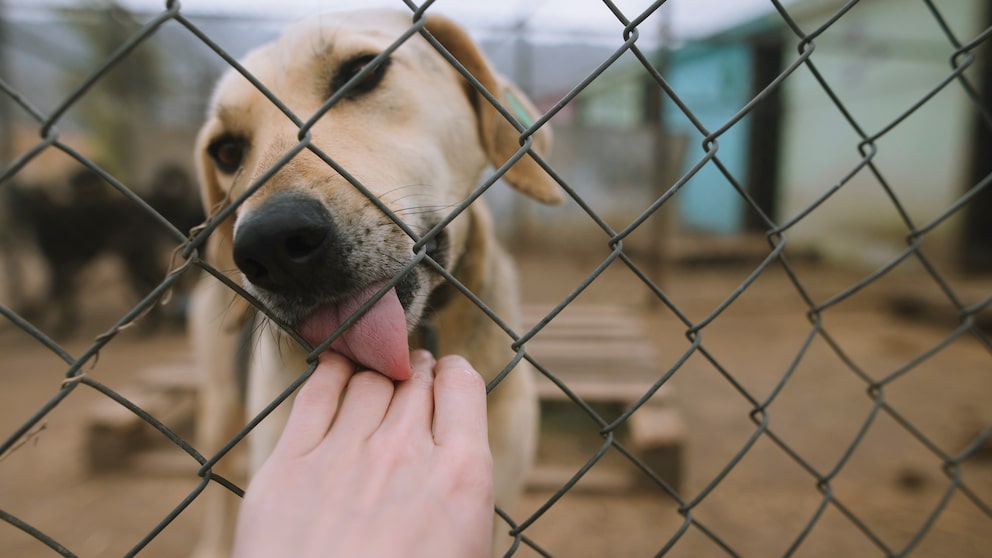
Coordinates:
145 270
215 343
513 422
273 368
62 290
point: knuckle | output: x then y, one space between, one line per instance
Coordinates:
368 378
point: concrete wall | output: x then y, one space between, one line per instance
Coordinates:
879 59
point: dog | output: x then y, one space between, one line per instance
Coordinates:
312 248
74 218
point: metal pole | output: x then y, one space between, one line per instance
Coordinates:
661 171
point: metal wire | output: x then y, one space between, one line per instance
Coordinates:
961 56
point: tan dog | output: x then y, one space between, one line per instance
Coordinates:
313 248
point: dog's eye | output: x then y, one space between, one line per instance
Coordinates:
352 68
227 152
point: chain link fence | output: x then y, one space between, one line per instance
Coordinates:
949 486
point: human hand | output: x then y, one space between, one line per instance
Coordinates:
379 481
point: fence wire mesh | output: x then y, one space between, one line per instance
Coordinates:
825 331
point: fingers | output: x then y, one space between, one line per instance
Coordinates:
459 404
412 407
453 401
315 405
364 405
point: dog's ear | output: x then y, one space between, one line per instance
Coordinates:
500 138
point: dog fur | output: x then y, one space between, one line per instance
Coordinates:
418 136
75 218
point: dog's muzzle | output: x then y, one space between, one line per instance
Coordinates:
291 251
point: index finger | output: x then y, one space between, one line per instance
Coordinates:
459 404
315 405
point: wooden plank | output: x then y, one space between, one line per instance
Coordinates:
656 425
111 415
597 332
615 348
603 354
556 330
596 362
581 309
115 435
603 390
169 376
583 365
657 436
546 477
592 320
603 318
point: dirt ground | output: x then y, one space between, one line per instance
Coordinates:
890 482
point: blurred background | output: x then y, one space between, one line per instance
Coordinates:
799 190
715 56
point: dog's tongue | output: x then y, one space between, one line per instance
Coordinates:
378 340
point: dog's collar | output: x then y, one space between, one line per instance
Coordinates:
440 297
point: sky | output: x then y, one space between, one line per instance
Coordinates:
684 18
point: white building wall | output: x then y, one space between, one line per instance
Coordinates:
880 59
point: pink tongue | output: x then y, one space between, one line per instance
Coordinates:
377 340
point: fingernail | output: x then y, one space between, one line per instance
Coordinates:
332 358
422 359
456 362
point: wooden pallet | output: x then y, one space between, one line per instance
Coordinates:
601 353
605 357
118 440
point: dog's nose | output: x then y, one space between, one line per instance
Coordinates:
281 245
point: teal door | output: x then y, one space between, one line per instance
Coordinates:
715 82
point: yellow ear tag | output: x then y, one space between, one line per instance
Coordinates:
519 110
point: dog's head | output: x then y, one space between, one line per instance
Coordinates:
412 131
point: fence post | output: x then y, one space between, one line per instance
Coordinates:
661 171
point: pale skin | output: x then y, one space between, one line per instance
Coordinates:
403 469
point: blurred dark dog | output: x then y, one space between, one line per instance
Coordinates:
92 220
